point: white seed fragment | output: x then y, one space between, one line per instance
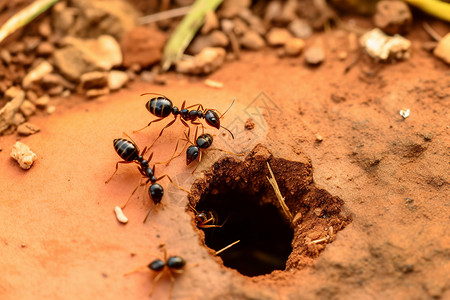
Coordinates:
120 216
213 83
404 113
23 154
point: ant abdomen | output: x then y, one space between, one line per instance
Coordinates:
159 106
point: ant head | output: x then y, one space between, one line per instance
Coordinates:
201 217
212 118
156 192
156 265
192 153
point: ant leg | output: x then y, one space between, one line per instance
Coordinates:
117 166
171 181
213 226
199 160
157 120
134 191
155 280
173 121
187 125
148 214
198 123
173 155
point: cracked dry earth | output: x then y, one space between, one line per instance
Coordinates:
342 154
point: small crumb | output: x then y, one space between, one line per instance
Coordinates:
249 124
120 216
404 113
213 83
23 245
23 155
319 138
318 211
342 55
297 218
51 109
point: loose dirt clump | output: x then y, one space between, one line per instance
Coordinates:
244 200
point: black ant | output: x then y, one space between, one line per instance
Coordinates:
129 152
202 142
169 265
206 218
162 107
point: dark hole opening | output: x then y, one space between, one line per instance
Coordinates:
265 237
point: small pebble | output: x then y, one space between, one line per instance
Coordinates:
18 119
94 80
37 73
120 215
117 79
27 129
27 108
319 138
23 155
56 90
300 28
314 55
45 49
252 40
404 113
5 56
278 36
342 55
93 93
31 95
249 124
294 46
51 109
42 101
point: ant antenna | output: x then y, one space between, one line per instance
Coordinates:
154 94
232 135
228 108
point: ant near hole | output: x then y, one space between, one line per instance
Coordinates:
162 107
207 218
129 152
168 265
194 151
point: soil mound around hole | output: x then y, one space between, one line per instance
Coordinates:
243 200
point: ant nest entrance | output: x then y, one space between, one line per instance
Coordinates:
242 199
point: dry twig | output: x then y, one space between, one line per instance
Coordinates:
276 189
227 247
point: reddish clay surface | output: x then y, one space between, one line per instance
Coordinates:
60 238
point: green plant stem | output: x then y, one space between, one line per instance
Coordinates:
25 16
439 9
186 30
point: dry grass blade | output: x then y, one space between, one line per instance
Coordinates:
227 247
25 16
186 30
164 15
280 197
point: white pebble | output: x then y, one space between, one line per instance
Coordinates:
120 216
404 113
23 154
